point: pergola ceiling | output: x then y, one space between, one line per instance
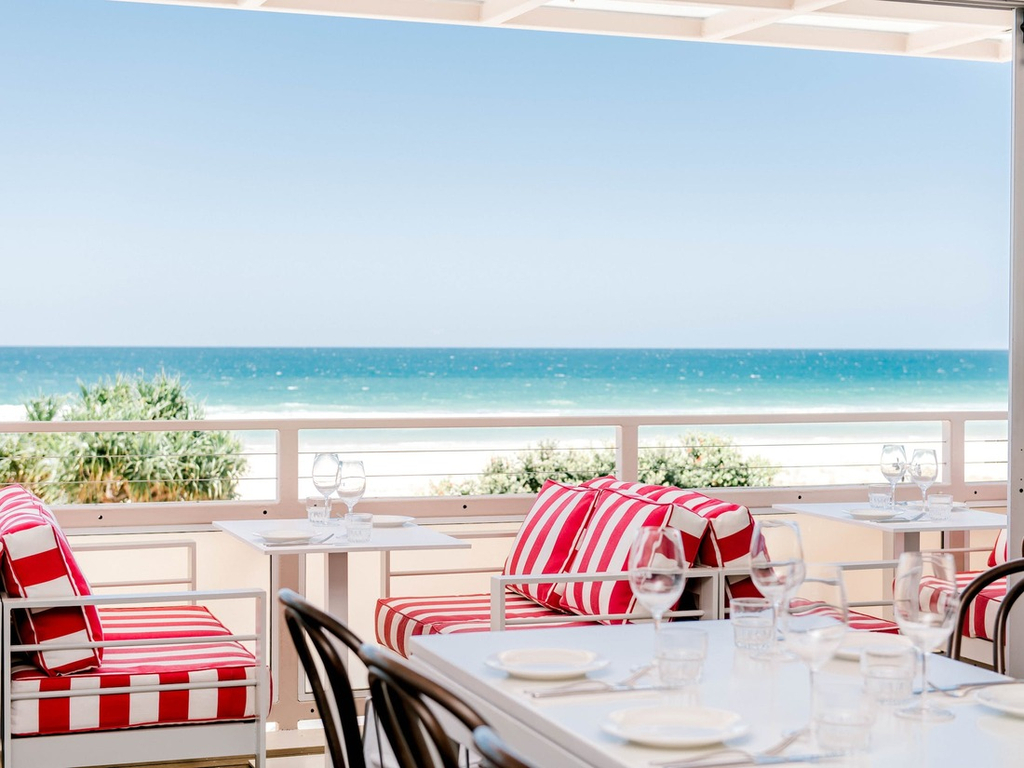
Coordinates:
865 26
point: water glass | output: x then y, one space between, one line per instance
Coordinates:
888 672
318 509
843 714
940 506
878 496
358 526
679 651
752 620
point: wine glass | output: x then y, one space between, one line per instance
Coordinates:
924 470
925 603
326 476
657 570
893 464
351 483
816 614
777 569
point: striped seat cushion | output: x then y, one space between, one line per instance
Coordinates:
210 662
857 621
37 561
1000 550
547 539
398 619
980 619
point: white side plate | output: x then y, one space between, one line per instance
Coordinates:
855 641
872 514
391 521
1005 698
546 663
668 726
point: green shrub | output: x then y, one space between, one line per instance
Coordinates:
702 461
123 466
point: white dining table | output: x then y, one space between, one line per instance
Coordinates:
772 698
905 536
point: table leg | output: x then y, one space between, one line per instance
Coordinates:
337 585
289 680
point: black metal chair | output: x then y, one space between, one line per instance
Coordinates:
407 704
494 751
309 626
971 591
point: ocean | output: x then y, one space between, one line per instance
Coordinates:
260 381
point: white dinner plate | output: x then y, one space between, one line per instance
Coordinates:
391 521
286 536
1005 698
666 726
546 663
854 641
872 514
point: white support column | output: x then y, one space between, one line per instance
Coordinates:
1015 491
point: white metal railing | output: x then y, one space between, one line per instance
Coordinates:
820 456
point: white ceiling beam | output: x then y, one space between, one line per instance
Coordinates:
250 4
940 38
500 11
731 23
554 19
920 12
440 11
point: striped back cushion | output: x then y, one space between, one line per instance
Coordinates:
37 562
1000 551
605 548
548 537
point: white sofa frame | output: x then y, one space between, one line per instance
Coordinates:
130 746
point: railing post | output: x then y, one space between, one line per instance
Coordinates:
287 464
953 435
627 451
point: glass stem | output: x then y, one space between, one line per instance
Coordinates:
813 694
924 679
892 495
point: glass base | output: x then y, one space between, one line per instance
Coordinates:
925 712
774 654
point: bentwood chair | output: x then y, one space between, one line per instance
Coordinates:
417 713
309 626
494 751
971 591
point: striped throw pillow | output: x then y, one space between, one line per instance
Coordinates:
1000 550
37 561
605 548
548 537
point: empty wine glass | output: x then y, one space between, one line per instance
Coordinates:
893 464
351 483
326 476
924 470
925 604
816 614
657 570
777 569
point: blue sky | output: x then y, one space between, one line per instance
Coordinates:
186 176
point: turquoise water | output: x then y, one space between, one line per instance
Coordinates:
339 381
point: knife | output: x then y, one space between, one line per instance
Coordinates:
552 693
812 757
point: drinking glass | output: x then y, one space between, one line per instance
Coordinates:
815 616
657 570
925 604
777 569
351 483
893 464
326 476
924 470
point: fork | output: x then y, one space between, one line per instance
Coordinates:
964 690
587 686
700 760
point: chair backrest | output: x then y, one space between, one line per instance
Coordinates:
407 704
494 751
311 627
971 591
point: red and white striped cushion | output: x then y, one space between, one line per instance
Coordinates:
37 561
1000 550
860 622
548 537
980 620
131 667
693 528
398 619
605 548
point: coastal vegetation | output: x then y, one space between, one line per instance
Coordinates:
700 461
103 467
